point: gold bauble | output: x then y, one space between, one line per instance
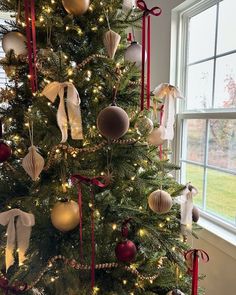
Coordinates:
65 215
160 201
14 41
76 7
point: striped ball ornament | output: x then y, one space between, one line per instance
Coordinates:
160 201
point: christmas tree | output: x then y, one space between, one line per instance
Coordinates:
79 160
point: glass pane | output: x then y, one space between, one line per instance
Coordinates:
199 86
195 140
225 88
221 195
195 175
227 25
202 29
222 144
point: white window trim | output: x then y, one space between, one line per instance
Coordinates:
179 39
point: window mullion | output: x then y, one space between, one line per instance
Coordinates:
215 53
204 199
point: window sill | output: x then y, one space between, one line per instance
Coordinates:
223 239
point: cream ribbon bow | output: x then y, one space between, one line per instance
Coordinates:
54 89
169 93
20 232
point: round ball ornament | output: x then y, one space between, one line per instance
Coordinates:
76 7
196 214
155 138
160 202
14 41
134 54
126 251
175 292
5 151
144 126
113 122
65 215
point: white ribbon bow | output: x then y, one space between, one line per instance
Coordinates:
169 93
21 231
54 89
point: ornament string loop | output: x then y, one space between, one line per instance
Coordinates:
95 181
31 42
194 255
155 11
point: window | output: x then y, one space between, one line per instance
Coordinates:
207 117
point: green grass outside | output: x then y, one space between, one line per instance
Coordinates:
221 191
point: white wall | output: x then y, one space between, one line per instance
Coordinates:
221 270
161 39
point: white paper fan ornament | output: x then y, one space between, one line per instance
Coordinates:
33 162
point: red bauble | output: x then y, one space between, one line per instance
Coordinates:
126 251
5 152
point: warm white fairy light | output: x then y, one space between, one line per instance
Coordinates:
124 282
142 232
114 226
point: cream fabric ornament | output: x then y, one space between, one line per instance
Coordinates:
111 41
129 4
186 204
169 94
175 292
186 201
54 89
33 163
18 232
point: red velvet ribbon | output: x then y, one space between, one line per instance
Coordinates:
31 42
125 228
95 181
161 119
130 37
156 11
17 288
1 132
194 255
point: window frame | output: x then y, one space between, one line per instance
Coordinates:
181 16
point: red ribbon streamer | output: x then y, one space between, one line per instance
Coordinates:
194 255
15 289
31 42
95 181
156 11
